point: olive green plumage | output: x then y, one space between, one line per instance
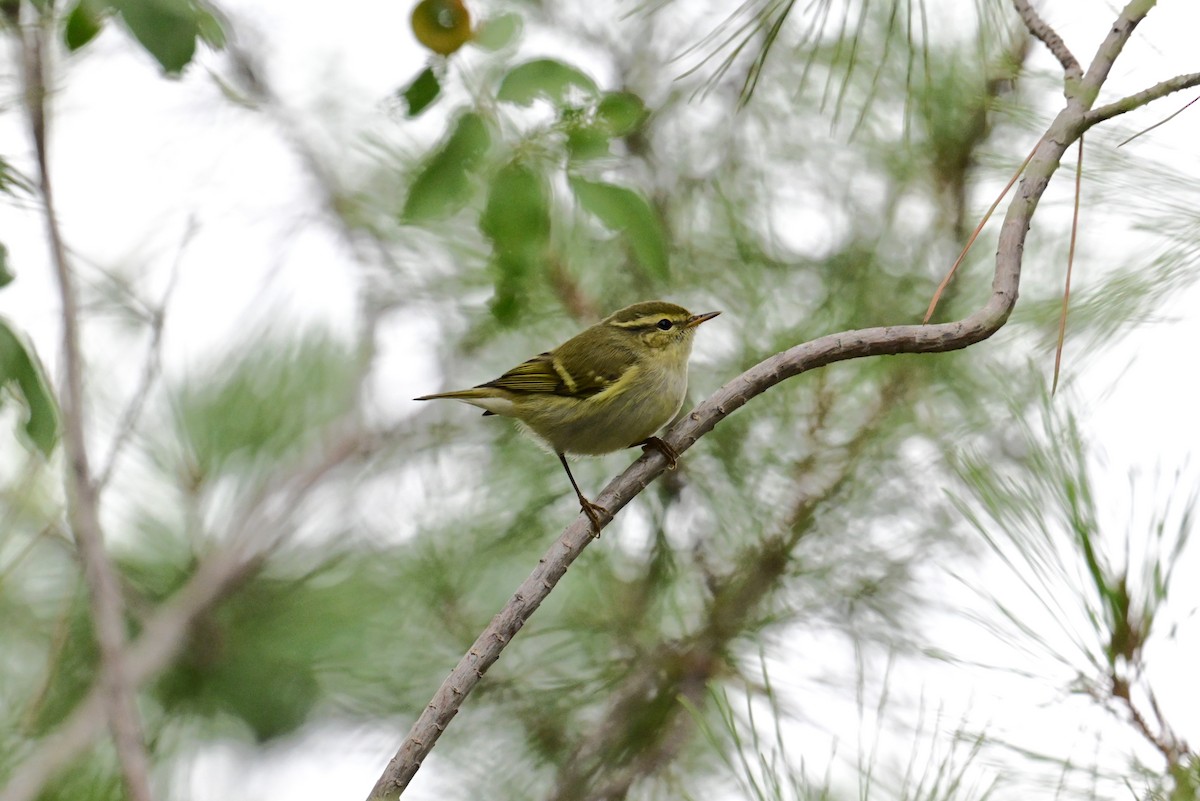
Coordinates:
609 387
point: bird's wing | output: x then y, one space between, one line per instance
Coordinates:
564 372
534 376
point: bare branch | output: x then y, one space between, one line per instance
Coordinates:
1106 55
1049 37
107 605
1142 98
604 766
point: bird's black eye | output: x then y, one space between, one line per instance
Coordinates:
665 324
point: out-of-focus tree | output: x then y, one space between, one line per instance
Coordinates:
254 547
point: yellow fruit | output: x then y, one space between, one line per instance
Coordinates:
442 25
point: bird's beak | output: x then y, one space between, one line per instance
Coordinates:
696 319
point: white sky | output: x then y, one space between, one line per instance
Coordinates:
137 159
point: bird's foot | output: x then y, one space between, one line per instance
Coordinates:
593 512
669 453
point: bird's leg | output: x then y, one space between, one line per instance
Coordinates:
592 510
669 453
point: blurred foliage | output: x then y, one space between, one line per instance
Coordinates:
444 184
167 29
421 91
266 404
545 79
6 274
1100 597
1121 607
819 189
22 375
519 171
94 779
12 182
517 221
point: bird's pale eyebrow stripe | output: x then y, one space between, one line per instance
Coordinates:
564 375
648 321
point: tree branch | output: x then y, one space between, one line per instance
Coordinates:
151 368
1106 55
1142 98
629 743
1049 37
107 605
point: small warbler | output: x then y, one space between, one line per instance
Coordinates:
609 387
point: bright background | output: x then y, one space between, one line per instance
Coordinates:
181 191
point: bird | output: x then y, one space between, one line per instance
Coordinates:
609 387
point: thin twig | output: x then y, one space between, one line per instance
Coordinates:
1142 98
1164 741
54 660
1162 122
151 369
937 295
1066 300
1049 37
107 605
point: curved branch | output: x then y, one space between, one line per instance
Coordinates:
758 379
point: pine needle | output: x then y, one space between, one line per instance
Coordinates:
975 235
1062 319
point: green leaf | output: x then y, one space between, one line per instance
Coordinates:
168 29
517 220
628 213
587 142
209 29
512 275
620 113
444 184
517 215
544 78
6 274
498 32
21 372
83 23
421 91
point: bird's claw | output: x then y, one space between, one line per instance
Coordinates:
593 512
669 453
